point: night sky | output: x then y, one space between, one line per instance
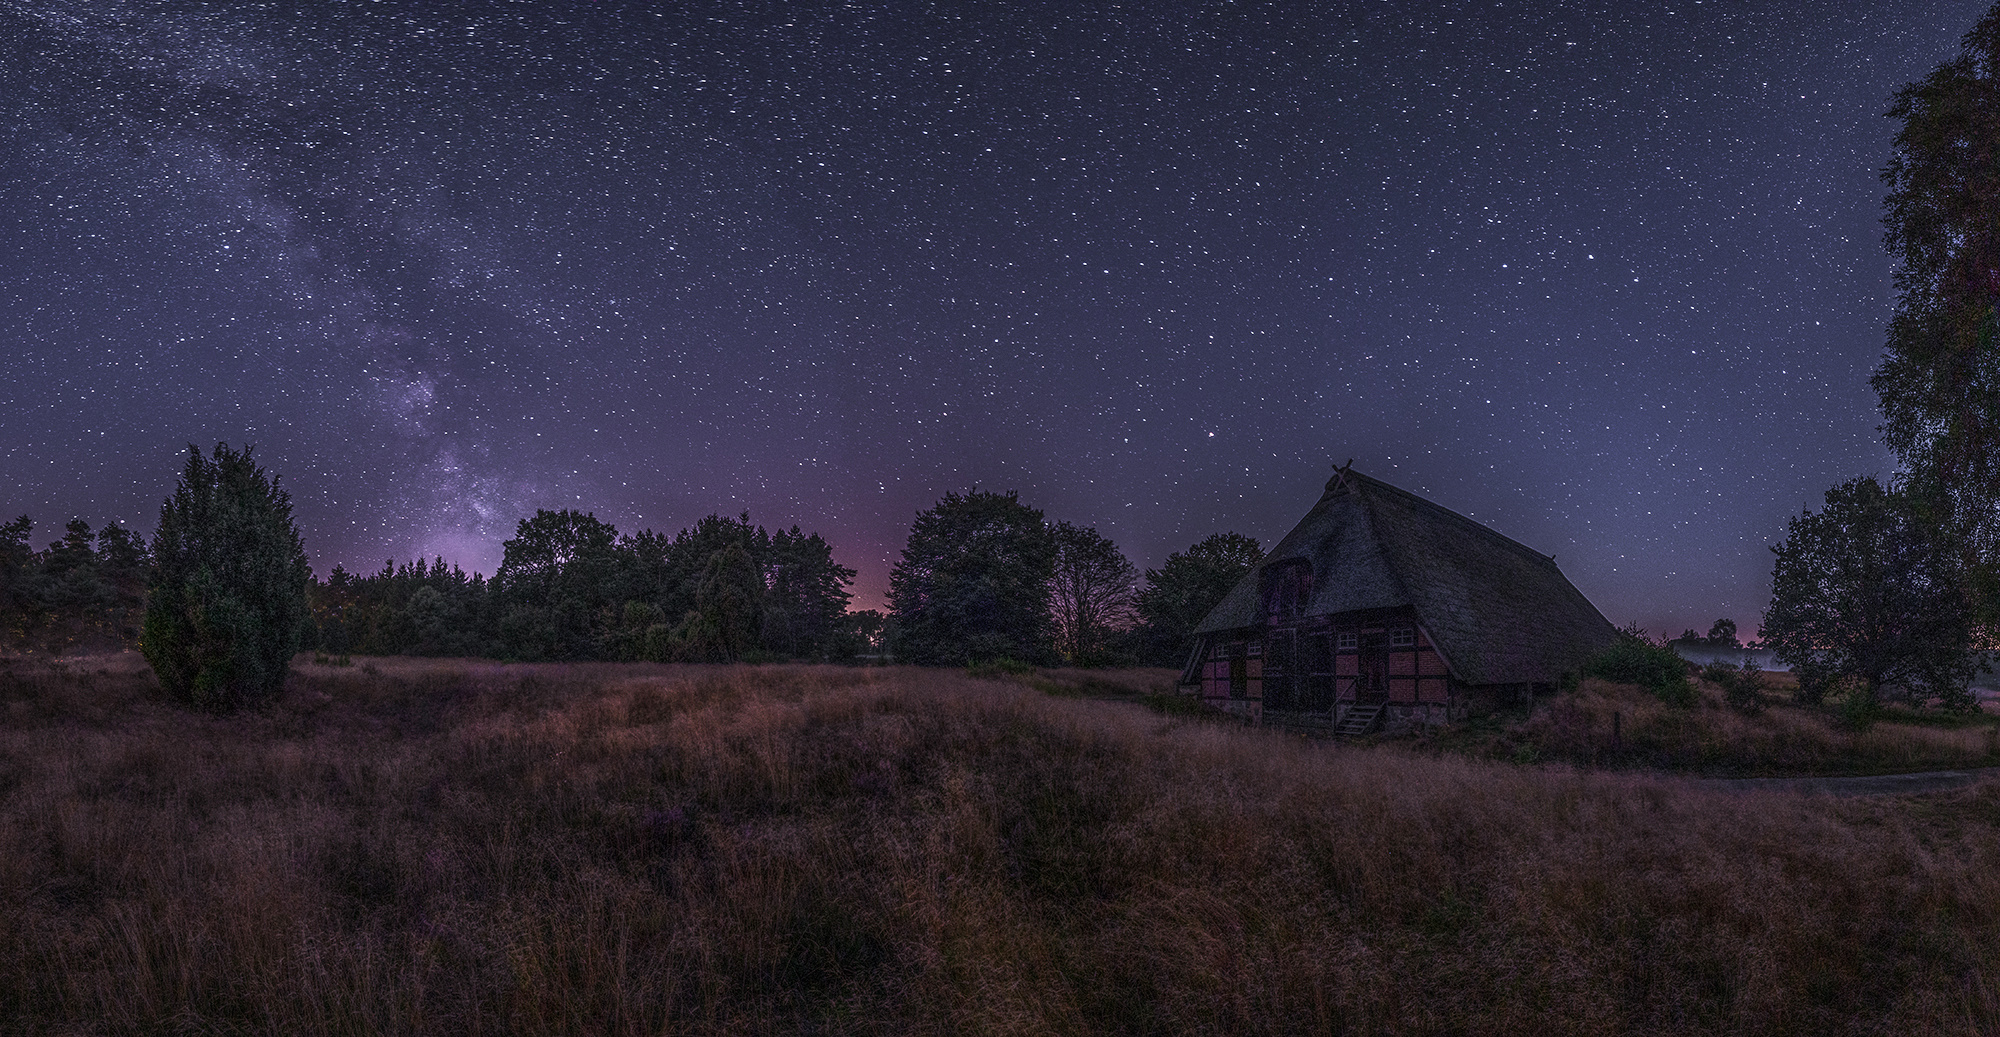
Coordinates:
1606 276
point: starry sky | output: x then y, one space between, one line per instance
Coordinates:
1606 276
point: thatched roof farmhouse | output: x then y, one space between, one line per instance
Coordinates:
1381 607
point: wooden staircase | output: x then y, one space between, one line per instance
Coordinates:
1359 720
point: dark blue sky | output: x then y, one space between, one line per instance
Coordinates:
1606 276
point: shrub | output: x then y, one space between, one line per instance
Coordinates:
1858 708
1634 660
227 608
1742 686
1815 680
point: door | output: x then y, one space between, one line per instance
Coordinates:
1317 650
1373 684
1281 670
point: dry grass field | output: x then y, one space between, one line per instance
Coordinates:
433 847
1616 726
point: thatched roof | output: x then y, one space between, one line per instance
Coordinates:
1498 612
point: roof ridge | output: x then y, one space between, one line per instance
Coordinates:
1374 484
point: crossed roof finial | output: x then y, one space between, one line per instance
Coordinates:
1340 473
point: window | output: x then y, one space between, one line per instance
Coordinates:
1403 637
1256 650
1350 639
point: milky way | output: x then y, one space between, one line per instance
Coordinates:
1606 276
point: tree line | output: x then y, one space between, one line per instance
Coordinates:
983 577
571 587
223 595
86 589
987 577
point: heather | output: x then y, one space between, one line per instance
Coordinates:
423 846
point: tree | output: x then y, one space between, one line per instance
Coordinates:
1939 381
554 579
122 570
17 580
1178 595
555 553
728 600
973 582
74 595
1090 593
1722 634
1867 590
869 627
805 598
227 603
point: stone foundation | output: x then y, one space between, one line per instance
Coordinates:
1249 709
1402 717
1397 717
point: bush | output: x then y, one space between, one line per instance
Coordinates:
1742 686
1815 681
1858 708
1634 660
227 606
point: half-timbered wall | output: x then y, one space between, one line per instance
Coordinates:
1298 667
1315 664
1320 665
1388 660
1234 670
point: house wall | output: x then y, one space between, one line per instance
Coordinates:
1319 666
1234 671
1412 671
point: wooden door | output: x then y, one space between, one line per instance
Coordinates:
1281 670
1317 652
1373 683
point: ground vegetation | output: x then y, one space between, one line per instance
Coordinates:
410 846
1734 724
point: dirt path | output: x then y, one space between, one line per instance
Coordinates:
1871 785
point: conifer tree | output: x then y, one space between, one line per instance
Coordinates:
227 602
